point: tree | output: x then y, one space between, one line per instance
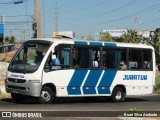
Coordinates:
156 44
6 38
12 39
105 36
118 39
9 39
131 37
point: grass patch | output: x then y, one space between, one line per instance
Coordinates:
158 83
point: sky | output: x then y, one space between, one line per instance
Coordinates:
84 17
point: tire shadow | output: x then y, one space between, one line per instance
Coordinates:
67 100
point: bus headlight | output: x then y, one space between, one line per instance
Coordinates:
34 81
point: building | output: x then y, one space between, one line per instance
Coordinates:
144 33
116 32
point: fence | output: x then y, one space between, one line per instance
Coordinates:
7 48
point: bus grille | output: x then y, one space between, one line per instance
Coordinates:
16 80
18 88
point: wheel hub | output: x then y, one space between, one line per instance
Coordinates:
118 95
45 95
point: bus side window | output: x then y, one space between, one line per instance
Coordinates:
86 57
108 58
81 57
60 58
147 57
135 59
95 57
121 59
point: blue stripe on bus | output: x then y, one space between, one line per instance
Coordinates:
110 44
80 42
73 87
91 82
96 43
106 81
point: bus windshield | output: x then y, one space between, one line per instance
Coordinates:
28 58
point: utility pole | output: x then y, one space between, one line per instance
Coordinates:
135 23
37 16
56 13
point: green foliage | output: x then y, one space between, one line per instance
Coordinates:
10 39
7 38
105 36
120 39
156 44
134 110
158 83
89 38
131 36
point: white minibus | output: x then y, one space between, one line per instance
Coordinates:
47 68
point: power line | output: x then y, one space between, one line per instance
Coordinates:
27 18
114 10
56 13
44 18
134 14
129 16
13 2
93 6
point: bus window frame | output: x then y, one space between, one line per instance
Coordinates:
100 50
141 49
88 47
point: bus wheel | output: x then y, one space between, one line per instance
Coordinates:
46 96
118 95
18 98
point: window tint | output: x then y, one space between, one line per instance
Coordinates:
82 57
85 57
121 60
135 59
108 58
147 57
95 57
60 58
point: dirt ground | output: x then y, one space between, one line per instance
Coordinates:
3 95
7 56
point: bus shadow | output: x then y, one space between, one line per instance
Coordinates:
135 100
76 100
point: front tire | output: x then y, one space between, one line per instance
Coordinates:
118 95
46 96
18 98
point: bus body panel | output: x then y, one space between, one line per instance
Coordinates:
85 82
77 82
135 82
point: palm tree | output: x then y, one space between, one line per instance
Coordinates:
131 37
105 36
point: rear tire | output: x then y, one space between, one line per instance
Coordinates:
118 95
18 98
46 96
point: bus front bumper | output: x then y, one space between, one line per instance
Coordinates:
28 88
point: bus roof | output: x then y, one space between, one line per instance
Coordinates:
95 43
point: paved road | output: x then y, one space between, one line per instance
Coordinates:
145 103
